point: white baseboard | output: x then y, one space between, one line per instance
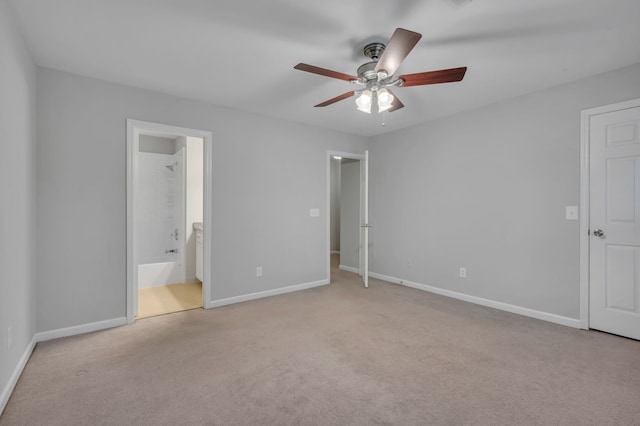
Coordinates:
80 329
545 316
349 269
267 293
13 380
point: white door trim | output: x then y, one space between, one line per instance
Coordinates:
352 156
134 128
585 118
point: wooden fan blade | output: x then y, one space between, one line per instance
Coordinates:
325 72
400 44
396 104
336 99
433 77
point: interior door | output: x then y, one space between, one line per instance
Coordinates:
178 229
365 225
614 249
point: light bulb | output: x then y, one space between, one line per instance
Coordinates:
363 102
364 99
385 100
384 97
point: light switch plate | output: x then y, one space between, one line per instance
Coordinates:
572 212
314 212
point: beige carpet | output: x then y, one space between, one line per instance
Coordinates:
334 355
166 299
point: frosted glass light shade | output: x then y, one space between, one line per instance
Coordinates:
363 102
385 100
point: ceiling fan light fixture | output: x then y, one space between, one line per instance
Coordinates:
363 102
379 73
385 99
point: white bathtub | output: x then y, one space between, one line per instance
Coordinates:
155 274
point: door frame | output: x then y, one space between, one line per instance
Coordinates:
362 159
585 120
134 129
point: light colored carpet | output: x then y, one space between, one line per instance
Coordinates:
166 299
333 355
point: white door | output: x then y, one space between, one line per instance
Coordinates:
177 230
365 226
614 249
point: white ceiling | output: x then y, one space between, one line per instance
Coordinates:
240 53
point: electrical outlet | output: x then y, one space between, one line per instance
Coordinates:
259 271
463 272
9 337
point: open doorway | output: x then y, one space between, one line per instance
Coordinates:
166 227
346 218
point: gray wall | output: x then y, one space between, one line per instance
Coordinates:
267 174
17 196
350 214
487 189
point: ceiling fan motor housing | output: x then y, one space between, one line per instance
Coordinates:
374 51
367 71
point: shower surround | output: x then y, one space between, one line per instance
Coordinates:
159 218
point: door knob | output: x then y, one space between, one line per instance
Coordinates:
598 233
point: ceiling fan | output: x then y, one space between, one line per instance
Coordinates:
376 77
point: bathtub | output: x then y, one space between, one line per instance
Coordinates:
156 274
